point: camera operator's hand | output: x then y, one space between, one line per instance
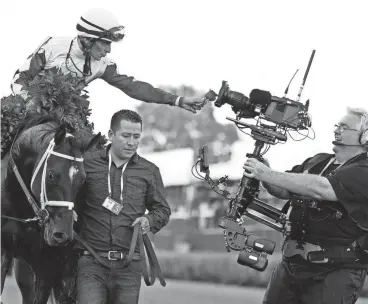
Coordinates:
193 104
266 162
255 168
259 171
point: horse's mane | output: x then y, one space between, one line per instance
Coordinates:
33 119
42 126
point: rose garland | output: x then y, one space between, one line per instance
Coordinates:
46 94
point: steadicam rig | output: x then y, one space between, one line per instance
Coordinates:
285 115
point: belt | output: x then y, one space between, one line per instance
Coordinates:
151 266
114 255
316 254
291 248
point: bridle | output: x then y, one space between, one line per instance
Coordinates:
150 269
43 196
41 212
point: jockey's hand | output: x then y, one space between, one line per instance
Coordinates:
193 104
145 226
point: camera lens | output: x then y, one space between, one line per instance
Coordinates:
237 100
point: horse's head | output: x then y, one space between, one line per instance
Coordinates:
57 177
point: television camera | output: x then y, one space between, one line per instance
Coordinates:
282 116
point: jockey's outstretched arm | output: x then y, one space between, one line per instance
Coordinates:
53 53
138 89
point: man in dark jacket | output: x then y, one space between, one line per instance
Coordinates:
120 186
324 257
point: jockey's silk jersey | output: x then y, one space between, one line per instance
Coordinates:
53 53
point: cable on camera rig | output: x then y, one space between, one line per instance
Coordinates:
285 115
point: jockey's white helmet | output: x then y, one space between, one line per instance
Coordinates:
100 23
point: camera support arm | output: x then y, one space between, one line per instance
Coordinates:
247 198
253 249
287 115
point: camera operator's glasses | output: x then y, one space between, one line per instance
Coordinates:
343 128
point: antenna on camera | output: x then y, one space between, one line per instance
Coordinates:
306 75
287 88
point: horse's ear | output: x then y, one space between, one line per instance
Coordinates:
93 142
60 134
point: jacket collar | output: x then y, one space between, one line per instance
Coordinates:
105 155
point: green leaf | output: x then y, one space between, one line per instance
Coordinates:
49 90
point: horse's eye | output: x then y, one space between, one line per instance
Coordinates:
51 176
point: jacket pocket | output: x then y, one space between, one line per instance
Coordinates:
136 188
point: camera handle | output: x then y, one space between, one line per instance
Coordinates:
253 249
248 188
246 200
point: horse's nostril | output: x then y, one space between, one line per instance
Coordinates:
60 237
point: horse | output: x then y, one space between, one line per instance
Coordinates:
44 174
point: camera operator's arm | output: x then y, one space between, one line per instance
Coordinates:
308 185
274 190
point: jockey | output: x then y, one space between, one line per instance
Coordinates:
85 57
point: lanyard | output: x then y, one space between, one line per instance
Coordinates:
328 164
121 180
343 164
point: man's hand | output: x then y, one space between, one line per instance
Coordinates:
255 169
75 216
193 104
145 226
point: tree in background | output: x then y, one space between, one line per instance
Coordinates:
167 128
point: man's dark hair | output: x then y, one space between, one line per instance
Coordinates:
124 115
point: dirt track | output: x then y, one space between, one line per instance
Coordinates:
178 292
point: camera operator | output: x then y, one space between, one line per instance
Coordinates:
323 258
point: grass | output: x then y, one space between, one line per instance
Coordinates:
221 268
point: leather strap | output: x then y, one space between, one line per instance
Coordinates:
108 254
29 196
36 209
150 270
153 264
91 250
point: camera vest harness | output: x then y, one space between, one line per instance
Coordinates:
296 243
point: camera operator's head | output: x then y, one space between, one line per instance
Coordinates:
351 133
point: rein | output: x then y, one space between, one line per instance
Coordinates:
40 212
150 270
34 219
